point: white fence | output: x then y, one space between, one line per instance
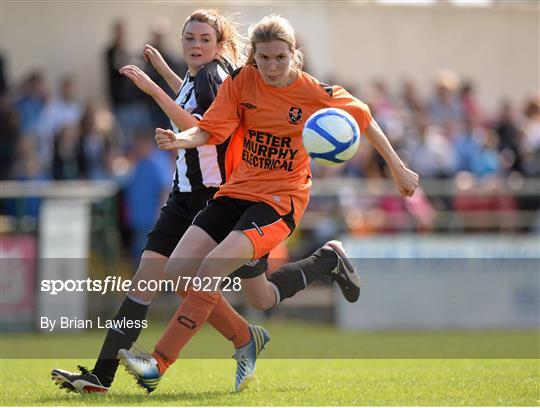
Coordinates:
440 282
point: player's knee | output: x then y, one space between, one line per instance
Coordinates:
181 267
149 270
261 304
171 270
142 284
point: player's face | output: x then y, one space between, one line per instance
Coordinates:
199 45
274 60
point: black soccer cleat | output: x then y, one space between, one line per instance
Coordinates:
83 383
344 273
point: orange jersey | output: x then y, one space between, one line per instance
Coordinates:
233 156
274 166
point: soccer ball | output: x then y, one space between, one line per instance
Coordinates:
331 136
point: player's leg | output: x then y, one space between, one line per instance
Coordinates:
233 252
174 220
330 260
216 218
134 307
265 228
193 311
186 261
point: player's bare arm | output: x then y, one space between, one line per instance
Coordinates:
154 57
189 139
405 179
181 118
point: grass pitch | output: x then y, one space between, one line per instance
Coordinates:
286 381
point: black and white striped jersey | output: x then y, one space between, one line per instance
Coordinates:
204 166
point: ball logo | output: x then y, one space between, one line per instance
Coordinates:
295 115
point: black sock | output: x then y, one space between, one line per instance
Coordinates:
295 276
107 363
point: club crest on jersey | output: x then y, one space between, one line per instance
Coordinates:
295 115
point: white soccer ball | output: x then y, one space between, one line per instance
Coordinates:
331 136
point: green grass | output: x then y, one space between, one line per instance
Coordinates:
300 341
285 381
297 382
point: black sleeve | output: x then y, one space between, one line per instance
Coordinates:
206 84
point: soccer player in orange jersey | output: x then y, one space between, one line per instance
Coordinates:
259 206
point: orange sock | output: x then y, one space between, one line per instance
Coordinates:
187 321
227 321
162 362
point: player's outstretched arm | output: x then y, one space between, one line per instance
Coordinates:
154 57
406 180
181 118
168 140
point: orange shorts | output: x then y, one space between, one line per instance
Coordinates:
261 223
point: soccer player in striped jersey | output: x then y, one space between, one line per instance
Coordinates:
210 45
258 207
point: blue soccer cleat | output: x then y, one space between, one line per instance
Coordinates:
246 357
142 366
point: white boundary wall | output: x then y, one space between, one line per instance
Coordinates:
353 42
439 282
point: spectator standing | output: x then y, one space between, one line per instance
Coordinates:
3 79
9 138
30 101
145 189
160 28
531 140
95 143
60 111
127 101
430 155
510 137
445 109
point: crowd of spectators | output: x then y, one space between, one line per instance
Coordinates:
449 138
447 135
451 131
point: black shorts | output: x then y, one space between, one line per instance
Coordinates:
175 218
260 222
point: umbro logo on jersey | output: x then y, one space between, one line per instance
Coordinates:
248 105
327 88
295 115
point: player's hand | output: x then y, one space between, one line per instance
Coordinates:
406 180
154 57
166 139
140 79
